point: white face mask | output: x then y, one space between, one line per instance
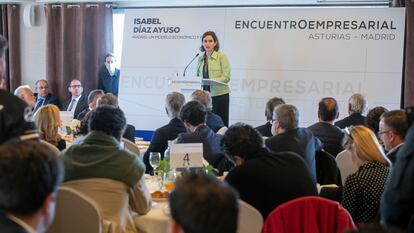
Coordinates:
111 68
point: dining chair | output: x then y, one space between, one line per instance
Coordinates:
131 147
250 219
75 213
345 164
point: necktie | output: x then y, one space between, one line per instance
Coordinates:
71 105
39 103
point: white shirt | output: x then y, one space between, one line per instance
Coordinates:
74 104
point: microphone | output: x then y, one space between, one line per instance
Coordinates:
190 63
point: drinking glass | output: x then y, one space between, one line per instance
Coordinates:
155 160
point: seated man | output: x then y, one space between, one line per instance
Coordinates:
77 102
92 101
111 100
264 179
357 105
214 121
201 203
330 135
43 96
99 155
30 175
159 142
393 126
25 93
14 118
288 137
266 129
193 114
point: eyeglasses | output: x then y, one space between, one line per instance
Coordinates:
382 132
75 86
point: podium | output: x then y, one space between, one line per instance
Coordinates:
189 84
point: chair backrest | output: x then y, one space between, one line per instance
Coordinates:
327 171
345 164
112 199
250 219
131 147
75 213
309 215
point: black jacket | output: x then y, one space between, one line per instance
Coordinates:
353 119
300 141
331 137
82 105
268 179
214 121
159 141
265 130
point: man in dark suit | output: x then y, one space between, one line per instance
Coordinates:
392 129
159 142
288 137
260 176
43 97
93 97
28 194
330 135
193 114
266 129
214 121
77 102
397 203
357 105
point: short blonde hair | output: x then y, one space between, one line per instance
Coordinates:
366 144
47 120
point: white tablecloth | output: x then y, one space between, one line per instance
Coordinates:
158 219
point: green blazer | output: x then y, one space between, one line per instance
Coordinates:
218 69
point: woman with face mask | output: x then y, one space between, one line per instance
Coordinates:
109 75
214 65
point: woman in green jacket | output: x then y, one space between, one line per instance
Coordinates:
214 65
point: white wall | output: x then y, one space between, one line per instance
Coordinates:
33 47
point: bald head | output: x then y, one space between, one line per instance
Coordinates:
328 110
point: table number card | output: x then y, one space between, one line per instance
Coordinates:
186 155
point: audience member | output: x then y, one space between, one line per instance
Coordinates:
362 190
3 84
111 100
99 155
357 105
25 93
109 75
200 203
266 129
193 114
330 135
288 137
48 121
43 97
15 116
214 121
259 175
93 97
77 102
392 129
373 118
174 101
30 173
397 204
